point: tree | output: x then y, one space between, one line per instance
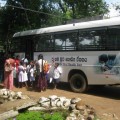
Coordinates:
86 8
19 15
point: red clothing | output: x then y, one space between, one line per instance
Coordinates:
8 75
16 63
10 61
8 80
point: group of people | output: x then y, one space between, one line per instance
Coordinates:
27 73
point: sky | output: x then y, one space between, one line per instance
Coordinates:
2 2
113 12
112 1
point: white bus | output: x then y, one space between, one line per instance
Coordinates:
88 52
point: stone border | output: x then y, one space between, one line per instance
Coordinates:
78 109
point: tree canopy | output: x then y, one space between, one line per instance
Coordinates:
19 15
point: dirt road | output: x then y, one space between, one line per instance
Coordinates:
105 101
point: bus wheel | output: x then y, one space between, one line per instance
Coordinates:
78 83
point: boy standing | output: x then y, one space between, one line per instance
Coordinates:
56 75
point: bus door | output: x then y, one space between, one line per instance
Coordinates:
29 48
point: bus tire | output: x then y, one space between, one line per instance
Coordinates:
78 83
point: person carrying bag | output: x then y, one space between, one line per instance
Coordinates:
42 83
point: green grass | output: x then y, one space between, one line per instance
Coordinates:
39 115
58 114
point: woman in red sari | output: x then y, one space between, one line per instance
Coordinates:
8 74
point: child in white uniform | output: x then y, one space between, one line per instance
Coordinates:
32 77
20 74
56 75
25 76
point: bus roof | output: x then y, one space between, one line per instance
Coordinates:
74 26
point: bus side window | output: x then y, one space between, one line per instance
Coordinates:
113 39
43 43
91 39
65 41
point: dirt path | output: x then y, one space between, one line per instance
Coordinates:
105 100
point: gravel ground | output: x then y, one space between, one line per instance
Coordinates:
106 101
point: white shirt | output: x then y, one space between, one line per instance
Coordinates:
39 62
57 72
31 72
28 68
25 60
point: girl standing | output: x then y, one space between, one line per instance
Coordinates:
25 76
32 77
20 74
